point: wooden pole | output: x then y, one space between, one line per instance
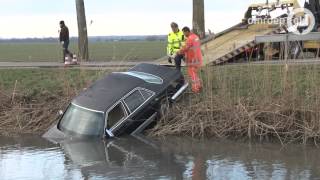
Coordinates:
82 31
198 18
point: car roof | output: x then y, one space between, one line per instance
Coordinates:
163 72
105 92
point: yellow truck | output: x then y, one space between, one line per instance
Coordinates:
278 4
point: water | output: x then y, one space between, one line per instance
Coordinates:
141 158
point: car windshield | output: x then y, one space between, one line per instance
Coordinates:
145 76
82 121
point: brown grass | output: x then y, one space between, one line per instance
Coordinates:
21 116
246 101
253 102
30 103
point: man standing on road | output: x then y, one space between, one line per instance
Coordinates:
175 42
193 55
64 40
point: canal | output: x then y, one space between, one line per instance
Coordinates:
32 158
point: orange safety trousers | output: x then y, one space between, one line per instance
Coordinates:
193 55
195 80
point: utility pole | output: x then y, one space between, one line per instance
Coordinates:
198 18
82 31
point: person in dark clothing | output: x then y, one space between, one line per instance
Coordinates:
64 40
314 7
247 15
317 12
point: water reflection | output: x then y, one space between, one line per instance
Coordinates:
230 160
30 158
121 158
143 158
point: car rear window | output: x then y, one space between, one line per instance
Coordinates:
149 78
146 94
134 100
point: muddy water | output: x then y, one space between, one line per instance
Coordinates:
140 158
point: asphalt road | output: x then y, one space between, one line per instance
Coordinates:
113 64
128 64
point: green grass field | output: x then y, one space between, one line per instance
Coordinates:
263 81
36 82
104 51
235 82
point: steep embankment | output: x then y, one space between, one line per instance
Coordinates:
250 101
31 99
245 101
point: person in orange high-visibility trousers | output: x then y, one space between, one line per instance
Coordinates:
193 55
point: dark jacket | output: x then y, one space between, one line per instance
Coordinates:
314 7
64 34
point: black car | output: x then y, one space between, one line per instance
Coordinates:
121 103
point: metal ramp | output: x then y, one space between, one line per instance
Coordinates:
235 42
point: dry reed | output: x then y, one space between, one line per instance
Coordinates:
24 117
250 101
25 113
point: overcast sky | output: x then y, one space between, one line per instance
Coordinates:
40 18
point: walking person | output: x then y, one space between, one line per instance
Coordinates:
193 55
64 40
175 42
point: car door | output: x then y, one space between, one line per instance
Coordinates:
130 112
114 117
139 108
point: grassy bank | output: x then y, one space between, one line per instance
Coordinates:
250 101
104 51
245 101
30 99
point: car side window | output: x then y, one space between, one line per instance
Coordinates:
115 115
146 94
134 100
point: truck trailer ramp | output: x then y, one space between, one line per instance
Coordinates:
235 42
231 42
